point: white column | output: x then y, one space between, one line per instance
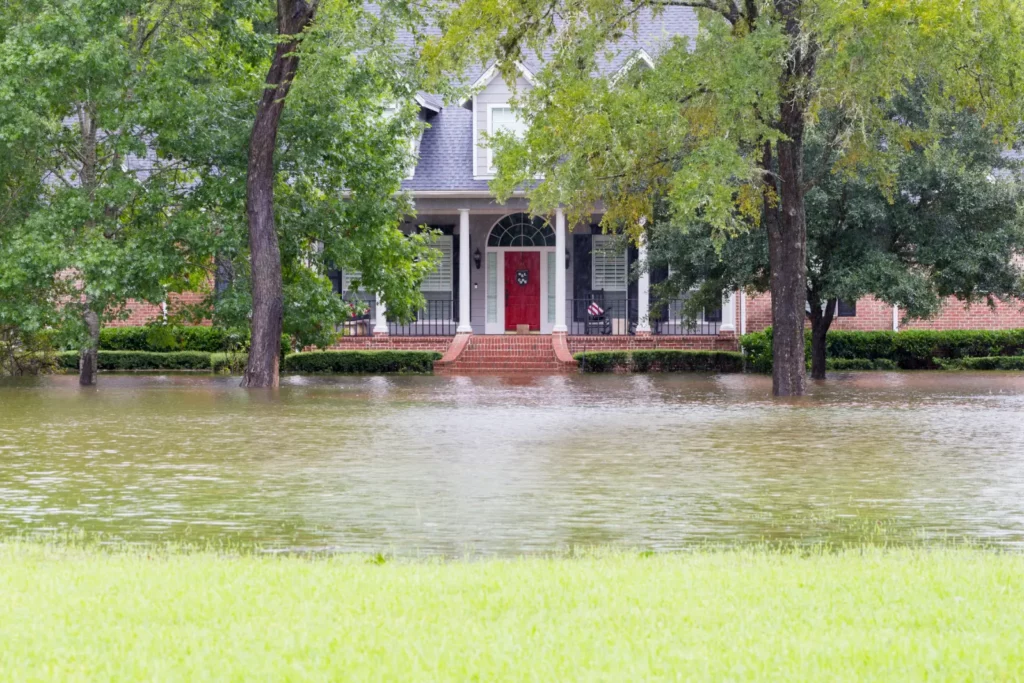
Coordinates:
895 318
728 313
643 290
380 326
464 259
743 311
560 272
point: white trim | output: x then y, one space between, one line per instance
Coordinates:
638 56
499 326
461 194
489 75
476 139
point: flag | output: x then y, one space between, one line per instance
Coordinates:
594 309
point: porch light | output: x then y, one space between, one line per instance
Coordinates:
477 258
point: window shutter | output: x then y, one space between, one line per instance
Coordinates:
441 279
609 265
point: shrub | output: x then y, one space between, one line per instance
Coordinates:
910 350
757 348
850 364
675 360
233 363
983 363
141 360
602 361
362 362
660 360
160 338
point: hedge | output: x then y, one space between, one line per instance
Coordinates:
141 360
984 363
860 364
162 338
228 362
910 350
660 360
362 362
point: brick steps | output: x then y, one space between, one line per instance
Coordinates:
504 355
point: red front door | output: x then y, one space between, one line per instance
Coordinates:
522 289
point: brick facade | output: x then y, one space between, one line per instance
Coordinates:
140 312
722 342
389 343
873 315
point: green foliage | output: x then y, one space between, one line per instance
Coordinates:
231 363
908 350
660 360
362 362
168 338
602 361
860 364
983 363
142 360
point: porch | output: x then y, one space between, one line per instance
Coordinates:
506 272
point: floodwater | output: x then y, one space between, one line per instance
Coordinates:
457 466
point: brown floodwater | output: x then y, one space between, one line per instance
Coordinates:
424 465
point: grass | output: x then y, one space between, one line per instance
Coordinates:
88 614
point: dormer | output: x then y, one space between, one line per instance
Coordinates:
492 112
428 107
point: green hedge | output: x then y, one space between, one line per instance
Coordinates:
163 338
660 360
233 363
362 362
910 350
142 360
860 364
984 363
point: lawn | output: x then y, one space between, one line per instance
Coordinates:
85 614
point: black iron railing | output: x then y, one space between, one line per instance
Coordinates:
667 318
435 319
597 316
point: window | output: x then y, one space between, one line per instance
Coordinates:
847 309
441 279
521 230
608 264
502 119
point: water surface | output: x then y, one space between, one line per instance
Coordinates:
420 465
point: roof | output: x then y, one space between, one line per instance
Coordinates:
446 149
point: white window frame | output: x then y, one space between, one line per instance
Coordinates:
450 255
595 249
491 170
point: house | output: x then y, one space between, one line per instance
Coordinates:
567 287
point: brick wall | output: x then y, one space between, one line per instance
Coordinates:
722 342
873 314
389 343
141 312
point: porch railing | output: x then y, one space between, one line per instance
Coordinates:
594 316
667 318
435 319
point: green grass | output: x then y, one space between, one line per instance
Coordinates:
887 615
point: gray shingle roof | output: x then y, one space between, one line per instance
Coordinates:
446 149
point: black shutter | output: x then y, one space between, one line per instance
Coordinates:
659 306
632 286
456 255
581 248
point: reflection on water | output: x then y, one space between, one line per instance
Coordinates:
497 465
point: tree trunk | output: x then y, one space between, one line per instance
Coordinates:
89 358
261 370
821 321
787 226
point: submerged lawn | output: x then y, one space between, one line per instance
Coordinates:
884 615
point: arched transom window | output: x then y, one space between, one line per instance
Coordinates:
521 230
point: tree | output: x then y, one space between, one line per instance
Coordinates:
950 225
359 70
718 127
102 217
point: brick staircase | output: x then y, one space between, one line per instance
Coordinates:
503 354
